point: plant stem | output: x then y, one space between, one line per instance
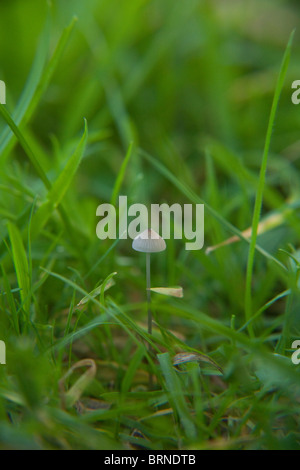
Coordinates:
261 185
148 285
148 281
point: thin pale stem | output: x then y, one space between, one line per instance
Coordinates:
148 281
148 285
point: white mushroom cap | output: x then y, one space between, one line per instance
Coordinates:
149 242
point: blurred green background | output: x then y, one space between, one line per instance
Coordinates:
191 84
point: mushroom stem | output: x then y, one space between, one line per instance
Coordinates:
148 281
148 285
149 242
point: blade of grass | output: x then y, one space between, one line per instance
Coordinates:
176 395
265 307
16 130
132 368
60 186
121 175
58 191
113 310
193 197
10 301
104 286
71 337
113 245
74 393
28 107
261 184
117 108
21 266
30 87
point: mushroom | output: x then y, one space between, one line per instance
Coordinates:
149 242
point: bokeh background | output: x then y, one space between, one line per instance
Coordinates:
190 83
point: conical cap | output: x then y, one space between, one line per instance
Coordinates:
149 242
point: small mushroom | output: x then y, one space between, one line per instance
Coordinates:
149 242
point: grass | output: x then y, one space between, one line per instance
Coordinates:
162 102
262 177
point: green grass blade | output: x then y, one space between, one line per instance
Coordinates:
118 110
10 301
121 175
30 87
23 142
27 107
264 307
75 335
194 198
65 178
21 265
58 192
60 186
176 395
112 309
104 286
261 183
132 368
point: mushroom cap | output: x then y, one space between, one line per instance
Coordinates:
149 242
